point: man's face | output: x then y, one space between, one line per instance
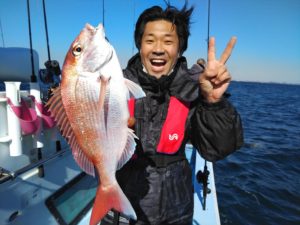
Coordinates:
159 47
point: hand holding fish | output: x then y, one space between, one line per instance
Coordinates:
215 79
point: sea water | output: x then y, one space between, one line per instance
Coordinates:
260 183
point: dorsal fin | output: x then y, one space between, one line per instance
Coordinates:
57 110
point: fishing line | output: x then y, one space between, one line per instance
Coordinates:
167 2
2 36
103 11
208 24
202 61
133 43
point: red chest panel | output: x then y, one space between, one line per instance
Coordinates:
173 129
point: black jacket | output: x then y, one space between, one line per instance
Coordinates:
214 129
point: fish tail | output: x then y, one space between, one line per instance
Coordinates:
110 198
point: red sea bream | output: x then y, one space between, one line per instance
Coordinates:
90 107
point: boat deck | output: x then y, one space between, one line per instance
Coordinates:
23 199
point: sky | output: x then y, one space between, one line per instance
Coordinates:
267 31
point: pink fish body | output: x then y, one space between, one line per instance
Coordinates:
94 116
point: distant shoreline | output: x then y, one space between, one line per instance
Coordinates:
265 82
24 86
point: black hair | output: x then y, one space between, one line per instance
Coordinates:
180 18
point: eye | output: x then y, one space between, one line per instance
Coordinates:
168 42
77 49
149 41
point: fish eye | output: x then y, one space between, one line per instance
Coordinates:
77 49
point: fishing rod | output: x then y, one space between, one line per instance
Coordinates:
50 75
33 76
202 61
202 177
6 175
103 12
206 172
46 30
51 65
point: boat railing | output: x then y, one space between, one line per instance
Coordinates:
28 134
6 175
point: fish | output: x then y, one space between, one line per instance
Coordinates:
90 108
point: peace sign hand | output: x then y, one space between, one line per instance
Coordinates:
215 79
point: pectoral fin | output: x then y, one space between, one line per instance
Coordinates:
135 90
128 150
103 86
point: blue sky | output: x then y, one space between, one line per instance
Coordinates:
268 31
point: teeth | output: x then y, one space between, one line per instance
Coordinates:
158 60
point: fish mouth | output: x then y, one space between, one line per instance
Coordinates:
99 27
89 27
94 29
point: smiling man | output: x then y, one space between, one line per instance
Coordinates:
181 105
159 48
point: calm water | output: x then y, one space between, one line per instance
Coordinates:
260 183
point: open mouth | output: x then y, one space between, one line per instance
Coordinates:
158 62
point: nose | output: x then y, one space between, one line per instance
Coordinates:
158 49
158 53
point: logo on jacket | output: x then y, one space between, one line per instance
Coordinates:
173 137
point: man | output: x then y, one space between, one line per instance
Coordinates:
180 106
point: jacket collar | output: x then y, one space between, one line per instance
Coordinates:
178 83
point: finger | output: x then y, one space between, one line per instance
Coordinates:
227 52
225 78
223 74
221 71
206 87
211 50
